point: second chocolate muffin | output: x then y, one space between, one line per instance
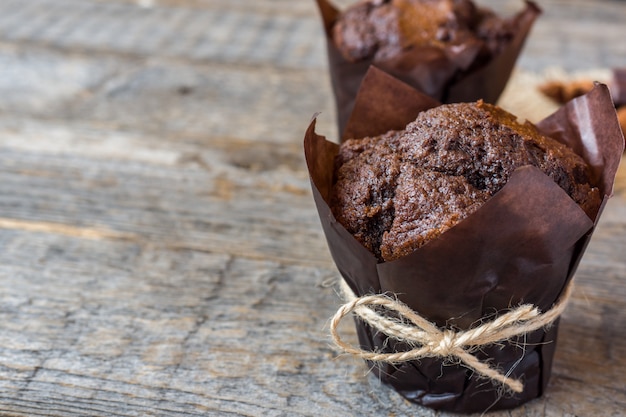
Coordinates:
383 29
397 191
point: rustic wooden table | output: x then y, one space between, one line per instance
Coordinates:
160 251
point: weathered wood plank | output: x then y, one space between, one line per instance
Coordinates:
214 101
114 328
215 198
165 97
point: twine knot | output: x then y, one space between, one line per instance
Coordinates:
446 344
427 340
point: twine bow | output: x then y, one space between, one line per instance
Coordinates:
427 340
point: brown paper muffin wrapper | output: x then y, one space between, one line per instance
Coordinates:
521 246
447 77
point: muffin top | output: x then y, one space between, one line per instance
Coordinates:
397 191
382 29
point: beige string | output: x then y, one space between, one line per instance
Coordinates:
428 340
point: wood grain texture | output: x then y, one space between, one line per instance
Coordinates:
160 254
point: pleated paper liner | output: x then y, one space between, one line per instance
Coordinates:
446 76
522 245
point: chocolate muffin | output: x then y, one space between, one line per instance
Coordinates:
397 191
383 29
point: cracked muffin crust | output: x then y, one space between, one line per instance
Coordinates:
397 191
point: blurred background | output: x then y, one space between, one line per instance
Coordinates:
188 65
